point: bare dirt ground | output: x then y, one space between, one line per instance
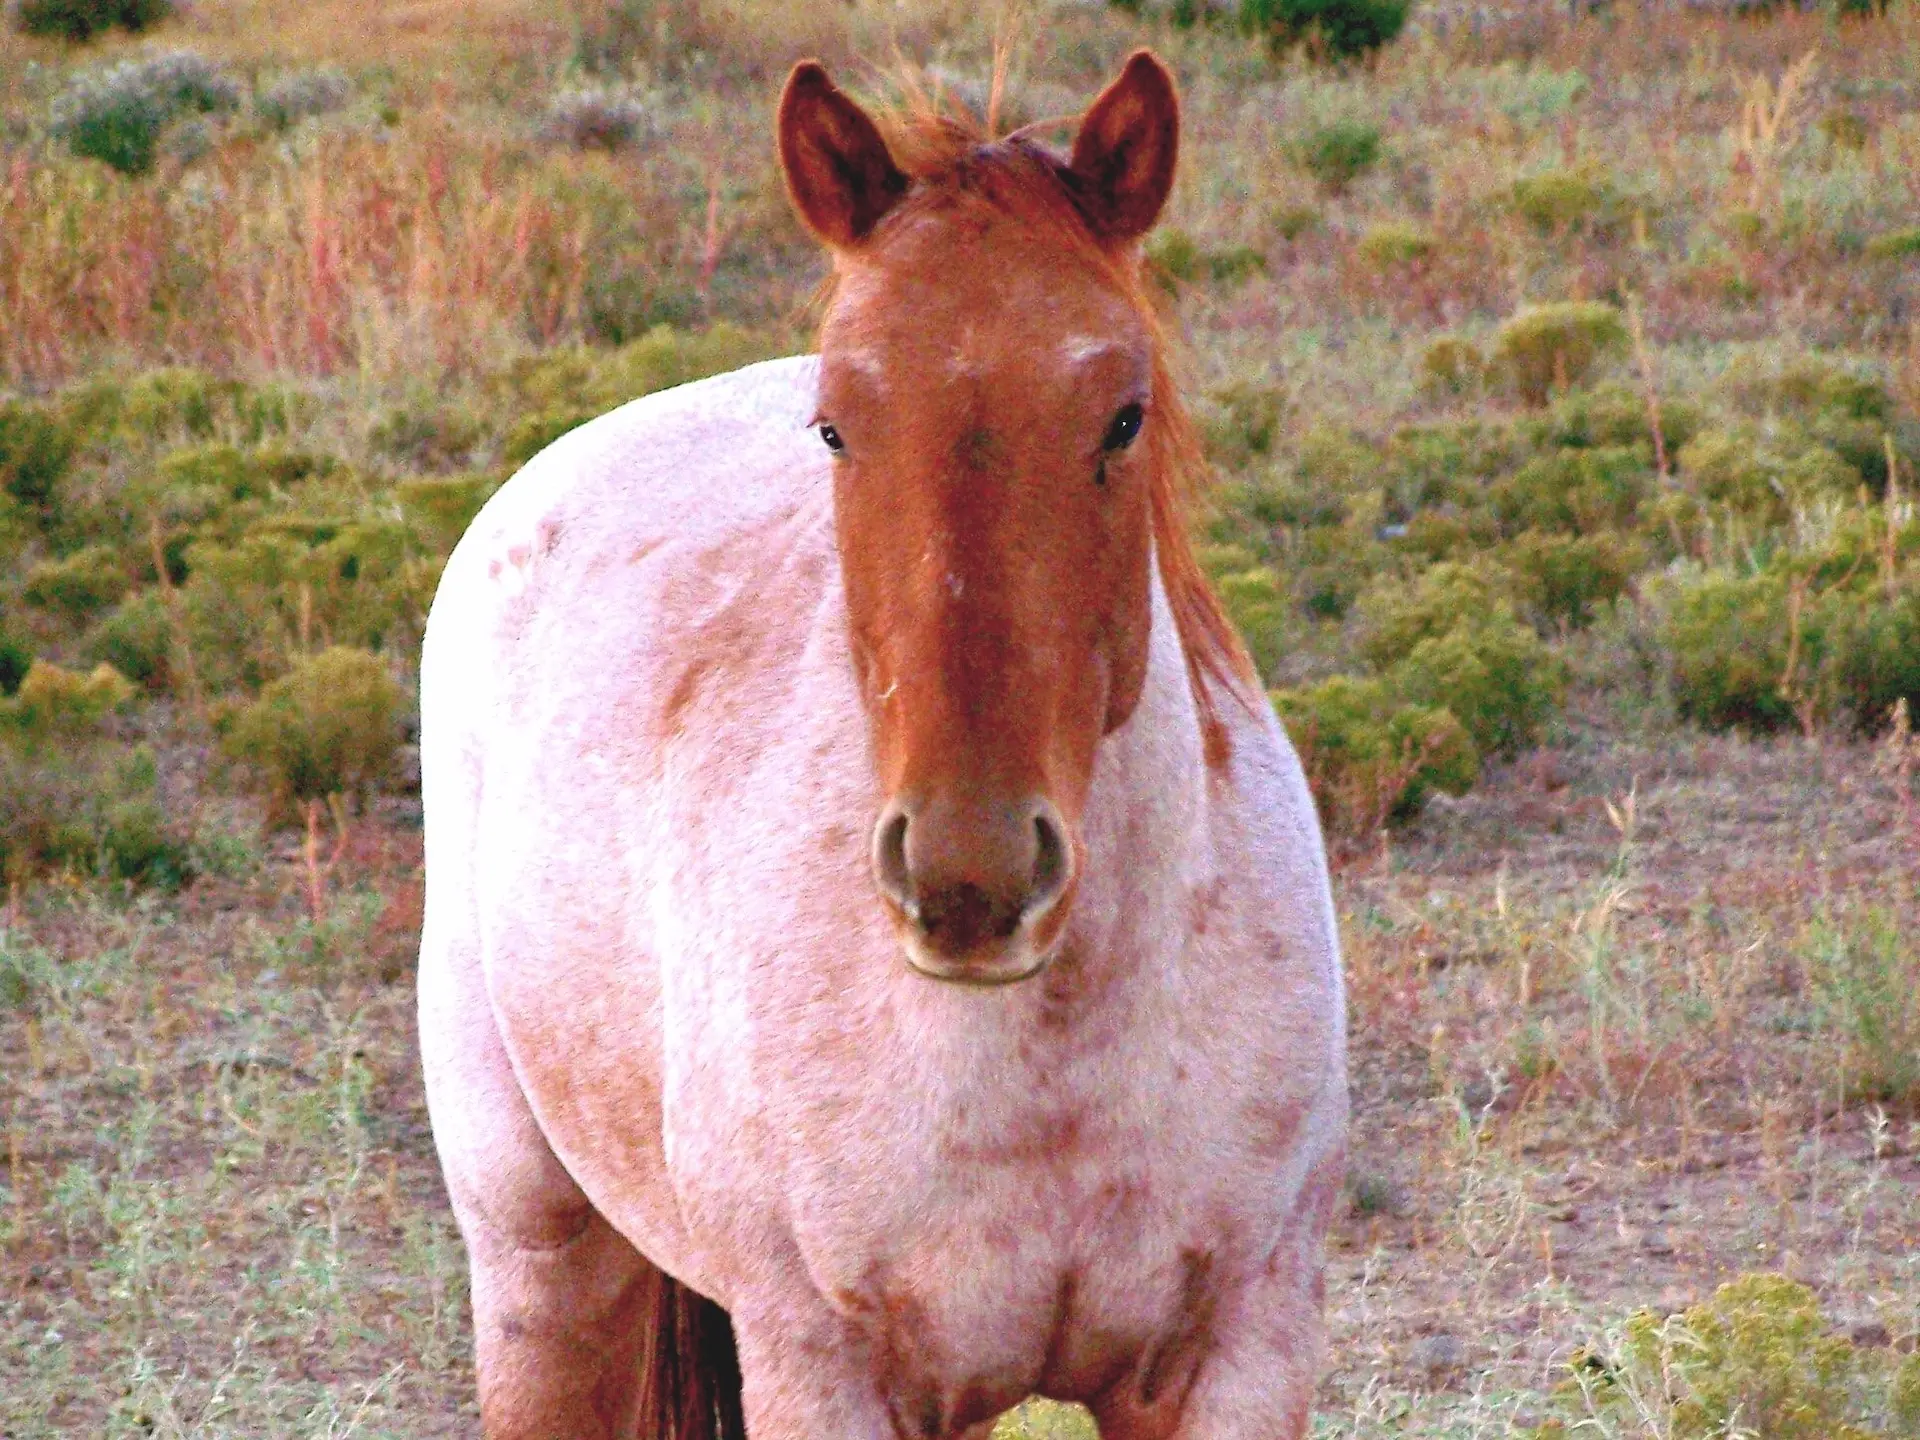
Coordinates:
1614 1041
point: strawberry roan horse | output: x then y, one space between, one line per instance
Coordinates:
878 959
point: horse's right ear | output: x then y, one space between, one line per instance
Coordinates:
839 173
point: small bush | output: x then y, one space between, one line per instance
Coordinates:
56 702
1371 757
596 119
1564 578
80 20
1556 202
1549 347
136 640
1393 246
1450 641
79 585
1261 611
1726 639
1756 1359
328 727
35 451
301 95
1895 244
438 511
1453 365
1338 154
1338 29
533 433
117 115
1578 491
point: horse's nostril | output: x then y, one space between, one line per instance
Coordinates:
1050 868
890 863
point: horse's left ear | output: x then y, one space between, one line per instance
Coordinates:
1123 157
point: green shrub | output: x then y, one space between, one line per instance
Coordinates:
1577 491
1495 676
78 585
1395 616
1371 757
117 115
1725 637
1548 347
1450 641
80 20
594 380
1338 154
1239 422
56 702
438 511
1563 578
1864 973
1340 29
1555 202
136 640
35 451
1895 244
1262 612
1393 246
330 726
1453 365
1757 1359
533 433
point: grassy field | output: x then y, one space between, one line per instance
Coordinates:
1562 372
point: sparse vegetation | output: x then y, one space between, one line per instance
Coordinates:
1563 388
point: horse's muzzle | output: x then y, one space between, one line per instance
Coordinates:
978 891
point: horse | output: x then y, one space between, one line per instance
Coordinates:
879 962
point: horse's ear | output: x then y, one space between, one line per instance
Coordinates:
839 173
1123 157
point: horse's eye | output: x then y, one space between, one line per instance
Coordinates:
830 437
1125 426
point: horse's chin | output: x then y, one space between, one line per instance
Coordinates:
982 969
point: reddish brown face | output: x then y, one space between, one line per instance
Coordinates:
986 393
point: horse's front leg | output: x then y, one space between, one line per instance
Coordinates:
805 1375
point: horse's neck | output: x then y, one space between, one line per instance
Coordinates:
1147 827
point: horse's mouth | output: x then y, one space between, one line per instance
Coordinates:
985 968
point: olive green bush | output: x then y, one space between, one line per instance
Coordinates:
80 20
1338 29
78 585
1371 756
1549 347
1451 640
35 452
1337 154
1757 1359
329 727
71 798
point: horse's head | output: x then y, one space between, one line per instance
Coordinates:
990 388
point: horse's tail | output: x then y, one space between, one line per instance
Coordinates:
690 1384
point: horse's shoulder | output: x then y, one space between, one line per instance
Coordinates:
671 494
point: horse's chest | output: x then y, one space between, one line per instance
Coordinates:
1052 1248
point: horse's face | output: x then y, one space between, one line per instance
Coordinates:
986 392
